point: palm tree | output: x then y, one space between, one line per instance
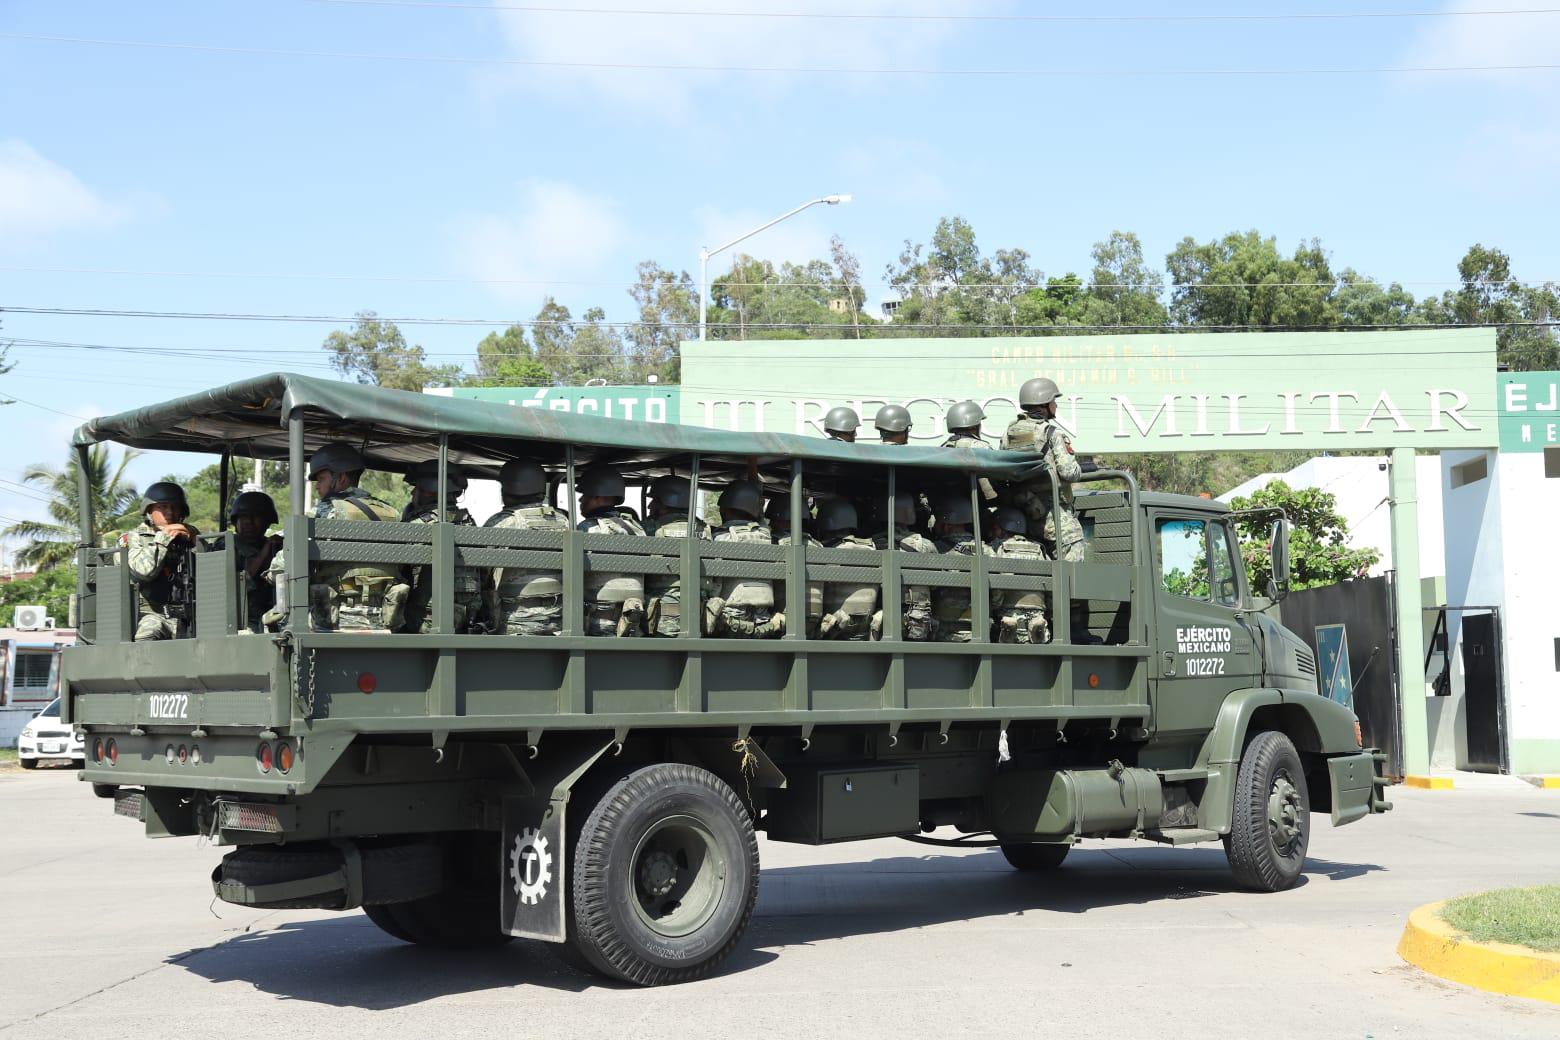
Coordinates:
52 544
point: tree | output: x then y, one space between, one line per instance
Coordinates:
788 302
668 314
1124 290
374 352
506 359
115 503
52 589
947 282
1243 280
1490 295
847 286
1319 553
574 352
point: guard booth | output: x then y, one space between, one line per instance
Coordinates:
1397 392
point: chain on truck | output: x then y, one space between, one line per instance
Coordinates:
464 788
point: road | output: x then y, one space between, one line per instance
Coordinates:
108 932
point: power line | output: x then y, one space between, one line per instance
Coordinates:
778 283
610 66
885 17
104 312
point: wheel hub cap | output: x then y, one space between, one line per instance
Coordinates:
1286 822
657 873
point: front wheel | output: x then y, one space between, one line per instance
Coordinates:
1270 828
1035 856
665 875
29 763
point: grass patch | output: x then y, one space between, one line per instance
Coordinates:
1521 916
7 754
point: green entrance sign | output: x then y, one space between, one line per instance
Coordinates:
1426 389
656 404
1529 410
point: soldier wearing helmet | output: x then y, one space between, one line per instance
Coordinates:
614 603
1036 430
521 601
893 424
963 422
841 424
345 596
158 558
670 498
779 516
848 606
955 534
1019 613
917 625
746 608
252 513
426 507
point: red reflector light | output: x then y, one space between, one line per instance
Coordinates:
366 682
1094 680
97 750
112 751
184 754
264 757
284 756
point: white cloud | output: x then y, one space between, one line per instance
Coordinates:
1500 40
38 196
718 43
555 233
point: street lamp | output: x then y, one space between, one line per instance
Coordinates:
705 254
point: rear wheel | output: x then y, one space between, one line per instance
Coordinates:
1034 856
387 923
105 790
463 913
28 763
1270 828
664 878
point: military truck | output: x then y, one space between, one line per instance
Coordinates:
464 788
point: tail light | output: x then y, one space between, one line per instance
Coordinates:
264 757
169 755
111 749
195 754
184 754
97 750
284 756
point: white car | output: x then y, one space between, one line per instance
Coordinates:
44 738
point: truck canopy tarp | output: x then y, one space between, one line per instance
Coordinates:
396 428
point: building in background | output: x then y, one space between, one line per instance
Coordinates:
29 668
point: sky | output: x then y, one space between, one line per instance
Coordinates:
464 160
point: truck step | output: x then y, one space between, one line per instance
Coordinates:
1184 835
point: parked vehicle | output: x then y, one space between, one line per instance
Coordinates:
46 738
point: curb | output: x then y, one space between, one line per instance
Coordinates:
1547 783
1432 945
1429 783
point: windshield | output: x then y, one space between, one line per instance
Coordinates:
52 711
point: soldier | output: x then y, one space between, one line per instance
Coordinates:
745 608
526 602
841 424
1036 430
614 603
670 497
1020 614
955 534
849 607
918 624
365 597
893 424
471 598
963 422
779 516
252 514
158 558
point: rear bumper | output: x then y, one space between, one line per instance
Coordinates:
1358 785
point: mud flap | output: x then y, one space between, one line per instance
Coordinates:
535 881
1353 786
534 897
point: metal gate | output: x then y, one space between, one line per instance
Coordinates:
1365 608
1484 683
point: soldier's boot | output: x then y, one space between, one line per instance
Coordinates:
653 617
631 621
392 611
875 631
1007 629
1039 629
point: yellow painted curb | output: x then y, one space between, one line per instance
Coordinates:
1433 945
1429 783
1548 783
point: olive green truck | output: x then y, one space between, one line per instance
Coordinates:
464 788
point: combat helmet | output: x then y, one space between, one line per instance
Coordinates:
424 476
892 418
1038 391
835 515
601 482
253 503
841 420
954 508
671 491
522 478
966 415
164 491
742 498
337 457
1010 519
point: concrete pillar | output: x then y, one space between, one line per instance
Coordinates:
1410 628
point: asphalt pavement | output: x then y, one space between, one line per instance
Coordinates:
108 933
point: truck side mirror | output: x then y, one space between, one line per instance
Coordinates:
1278 550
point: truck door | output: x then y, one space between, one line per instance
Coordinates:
1203 647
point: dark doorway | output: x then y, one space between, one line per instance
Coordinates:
1365 608
1482 697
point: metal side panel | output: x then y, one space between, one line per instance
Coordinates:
1353 784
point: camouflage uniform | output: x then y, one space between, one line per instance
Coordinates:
152 559
259 593
354 597
525 602
918 624
963 422
812 620
951 606
471 584
1020 614
663 613
746 607
1046 438
614 603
